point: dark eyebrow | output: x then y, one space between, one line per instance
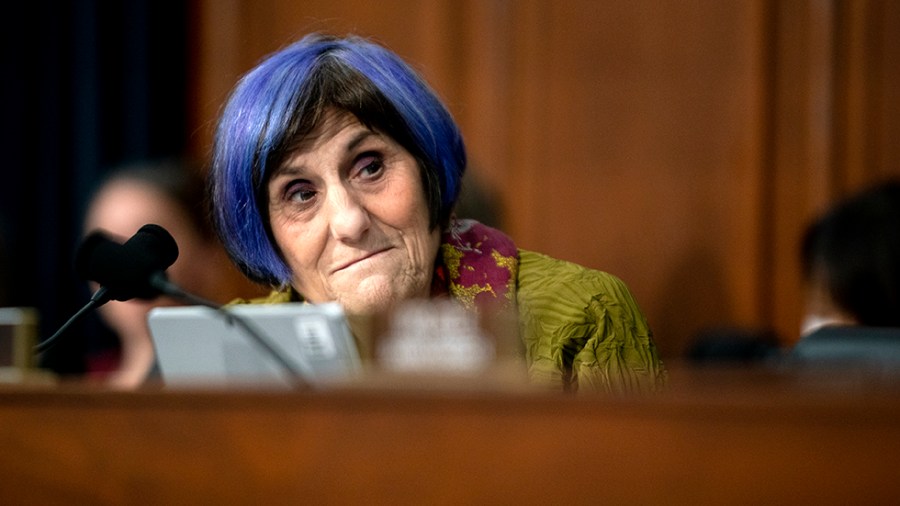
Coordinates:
358 138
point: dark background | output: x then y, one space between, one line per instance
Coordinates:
87 85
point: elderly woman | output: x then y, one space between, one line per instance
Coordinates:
335 173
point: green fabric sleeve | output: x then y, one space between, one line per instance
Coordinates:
582 329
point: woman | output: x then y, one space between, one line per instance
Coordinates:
335 174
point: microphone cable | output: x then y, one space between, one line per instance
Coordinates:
98 299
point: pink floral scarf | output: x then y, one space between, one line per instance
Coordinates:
477 266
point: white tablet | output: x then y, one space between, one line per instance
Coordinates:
197 345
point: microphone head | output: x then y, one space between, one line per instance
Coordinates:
126 269
153 242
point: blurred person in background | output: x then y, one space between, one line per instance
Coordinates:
170 194
851 261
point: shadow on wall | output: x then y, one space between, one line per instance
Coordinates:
693 300
479 201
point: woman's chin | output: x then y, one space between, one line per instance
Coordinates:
374 297
368 304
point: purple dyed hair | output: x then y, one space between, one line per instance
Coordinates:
283 99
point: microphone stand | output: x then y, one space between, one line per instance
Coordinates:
98 299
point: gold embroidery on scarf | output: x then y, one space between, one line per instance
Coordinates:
466 295
511 263
508 262
452 257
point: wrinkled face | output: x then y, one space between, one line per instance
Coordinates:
349 216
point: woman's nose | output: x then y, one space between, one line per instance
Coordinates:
349 218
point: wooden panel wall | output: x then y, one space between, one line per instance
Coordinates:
679 145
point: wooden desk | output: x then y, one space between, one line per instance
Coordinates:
729 437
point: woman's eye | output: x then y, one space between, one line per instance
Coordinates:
369 165
300 192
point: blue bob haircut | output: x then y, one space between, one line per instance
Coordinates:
284 98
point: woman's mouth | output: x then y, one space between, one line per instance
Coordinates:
360 259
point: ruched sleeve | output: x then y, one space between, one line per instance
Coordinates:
582 329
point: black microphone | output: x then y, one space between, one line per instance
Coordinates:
136 269
126 269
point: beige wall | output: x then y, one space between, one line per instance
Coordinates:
679 145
